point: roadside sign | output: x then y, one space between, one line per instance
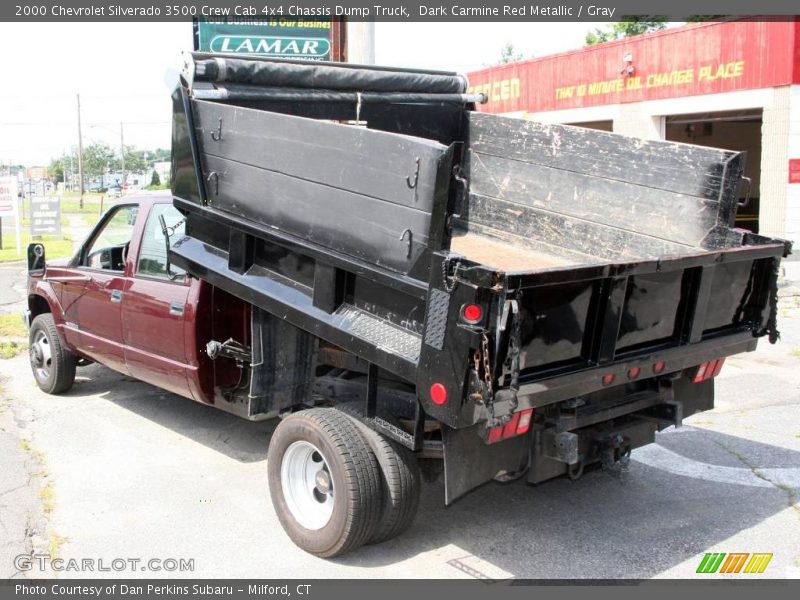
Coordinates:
45 215
8 197
281 38
9 207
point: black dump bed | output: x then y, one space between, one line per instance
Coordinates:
367 206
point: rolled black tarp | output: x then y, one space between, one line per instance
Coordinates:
224 69
236 91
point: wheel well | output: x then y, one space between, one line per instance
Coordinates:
38 306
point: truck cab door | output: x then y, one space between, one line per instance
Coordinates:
92 301
157 314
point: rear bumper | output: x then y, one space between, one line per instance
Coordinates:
538 393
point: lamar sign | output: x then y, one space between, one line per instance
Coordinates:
311 48
284 38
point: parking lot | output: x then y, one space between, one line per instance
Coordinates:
119 469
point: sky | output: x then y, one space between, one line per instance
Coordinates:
119 71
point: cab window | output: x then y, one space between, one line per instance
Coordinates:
153 252
110 246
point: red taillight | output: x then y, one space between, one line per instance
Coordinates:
510 428
472 313
495 435
718 368
708 370
633 372
438 394
659 366
608 379
520 423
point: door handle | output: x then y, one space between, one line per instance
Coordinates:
176 308
116 295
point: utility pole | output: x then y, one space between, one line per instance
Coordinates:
122 155
80 151
361 42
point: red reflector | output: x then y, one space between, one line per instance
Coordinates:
472 313
524 423
701 373
658 367
519 423
438 394
495 434
708 370
718 368
608 379
510 428
633 372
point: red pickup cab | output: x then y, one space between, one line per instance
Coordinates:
119 302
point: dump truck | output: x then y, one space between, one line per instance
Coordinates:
403 279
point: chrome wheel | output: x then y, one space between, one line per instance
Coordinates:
41 355
307 485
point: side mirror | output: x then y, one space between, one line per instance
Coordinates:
36 258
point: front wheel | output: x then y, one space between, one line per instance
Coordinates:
52 364
324 481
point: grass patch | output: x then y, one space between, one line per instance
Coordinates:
91 220
89 206
48 496
12 326
57 247
56 541
10 349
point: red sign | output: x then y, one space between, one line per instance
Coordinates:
705 58
794 170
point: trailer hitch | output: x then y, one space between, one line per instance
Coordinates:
615 454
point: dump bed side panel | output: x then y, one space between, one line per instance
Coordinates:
365 193
601 195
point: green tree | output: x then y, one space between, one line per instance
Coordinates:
59 167
134 161
508 54
703 18
159 155
628 26
98 158
155 180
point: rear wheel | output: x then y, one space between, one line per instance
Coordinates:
52 364
324 482
401 486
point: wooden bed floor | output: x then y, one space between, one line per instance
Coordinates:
504 256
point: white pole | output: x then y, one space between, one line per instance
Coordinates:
361 42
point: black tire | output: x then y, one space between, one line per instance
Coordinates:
56 374
401 485
354 479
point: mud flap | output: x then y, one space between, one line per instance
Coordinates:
469 462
